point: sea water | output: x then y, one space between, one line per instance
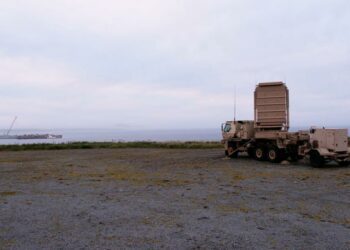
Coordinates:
115 135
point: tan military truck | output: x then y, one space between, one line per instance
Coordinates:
268 138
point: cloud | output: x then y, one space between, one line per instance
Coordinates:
156 63
33 72
45 95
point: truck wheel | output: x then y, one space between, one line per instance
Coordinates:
316 160
274 154
231 152
259 153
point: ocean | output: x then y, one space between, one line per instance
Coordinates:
115 135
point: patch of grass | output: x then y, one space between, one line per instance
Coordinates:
170 182
234 208
8 193
6 244
112 145
134 177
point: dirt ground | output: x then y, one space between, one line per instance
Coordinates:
160 198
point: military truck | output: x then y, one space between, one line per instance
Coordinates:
267 137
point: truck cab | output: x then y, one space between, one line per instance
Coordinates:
237 129
235 134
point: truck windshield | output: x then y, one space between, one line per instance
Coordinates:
227 128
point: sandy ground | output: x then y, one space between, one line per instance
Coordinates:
158 198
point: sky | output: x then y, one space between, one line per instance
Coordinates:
170 64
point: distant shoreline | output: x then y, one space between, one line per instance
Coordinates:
114 145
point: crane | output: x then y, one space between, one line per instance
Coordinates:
12 124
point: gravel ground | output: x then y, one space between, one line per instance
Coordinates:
159 198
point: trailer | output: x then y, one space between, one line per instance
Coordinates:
267 137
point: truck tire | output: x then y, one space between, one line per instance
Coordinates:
275 155
316 160
260 153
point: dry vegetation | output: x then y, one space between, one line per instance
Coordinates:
115 145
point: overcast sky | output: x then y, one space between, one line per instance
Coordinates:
143 64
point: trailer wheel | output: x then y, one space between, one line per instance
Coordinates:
274 154
259 153
316 160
